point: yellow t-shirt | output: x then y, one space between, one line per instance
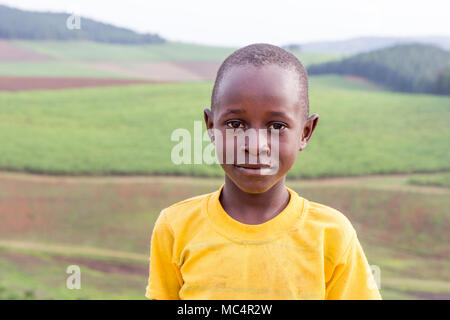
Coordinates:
308 251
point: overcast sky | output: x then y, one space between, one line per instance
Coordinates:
241 22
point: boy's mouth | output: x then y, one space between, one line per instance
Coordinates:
253 166
254 169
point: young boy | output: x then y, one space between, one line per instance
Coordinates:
256 238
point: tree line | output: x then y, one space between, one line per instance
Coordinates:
415 68
28 25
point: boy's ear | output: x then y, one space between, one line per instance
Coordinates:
208 116
308 129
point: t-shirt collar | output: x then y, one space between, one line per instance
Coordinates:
267 231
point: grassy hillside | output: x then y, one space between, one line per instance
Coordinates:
171 60
169 51
407 68
104 226
92 51
128 130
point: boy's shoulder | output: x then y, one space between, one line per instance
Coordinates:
185 210
192 202
329 216
333 226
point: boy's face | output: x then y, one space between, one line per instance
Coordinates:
256 98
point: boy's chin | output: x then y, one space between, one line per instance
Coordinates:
253 184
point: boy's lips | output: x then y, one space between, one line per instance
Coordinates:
254 169
253 166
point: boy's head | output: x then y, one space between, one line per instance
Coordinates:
261 86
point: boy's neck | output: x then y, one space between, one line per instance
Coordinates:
251 208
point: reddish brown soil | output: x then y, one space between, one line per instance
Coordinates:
36 83
12 53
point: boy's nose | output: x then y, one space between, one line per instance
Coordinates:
258 147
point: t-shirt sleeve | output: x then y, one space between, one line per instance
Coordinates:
352 278
165 279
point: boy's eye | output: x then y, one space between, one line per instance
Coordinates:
277 126
235 124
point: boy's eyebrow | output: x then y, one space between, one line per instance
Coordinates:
232 111
240 111
277 113
235 111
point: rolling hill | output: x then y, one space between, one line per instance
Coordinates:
366 44
414 68
28 25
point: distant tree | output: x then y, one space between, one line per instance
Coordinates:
407 68
293 47
443 81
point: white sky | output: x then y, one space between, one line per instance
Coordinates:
241 22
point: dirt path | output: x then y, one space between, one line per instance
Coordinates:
73 250
398 182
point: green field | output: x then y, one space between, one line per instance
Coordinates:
127 130
94 51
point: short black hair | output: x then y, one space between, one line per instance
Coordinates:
260 54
